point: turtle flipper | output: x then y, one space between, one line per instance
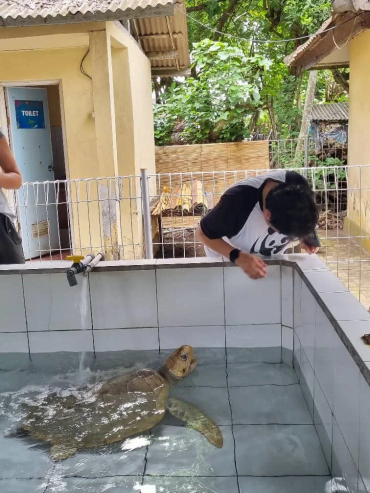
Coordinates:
195 419
61 452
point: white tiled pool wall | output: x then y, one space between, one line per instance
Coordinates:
160 305
336 392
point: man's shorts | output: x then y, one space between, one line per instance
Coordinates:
11 251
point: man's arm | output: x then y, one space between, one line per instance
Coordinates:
253 266
10 176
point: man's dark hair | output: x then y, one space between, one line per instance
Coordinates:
293 210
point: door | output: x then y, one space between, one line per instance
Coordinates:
31 144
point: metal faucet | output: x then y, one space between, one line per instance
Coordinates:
81 265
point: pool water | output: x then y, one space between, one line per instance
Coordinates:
270 442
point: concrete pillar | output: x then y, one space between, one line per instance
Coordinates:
106 141
103 96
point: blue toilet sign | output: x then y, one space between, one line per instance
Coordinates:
29 114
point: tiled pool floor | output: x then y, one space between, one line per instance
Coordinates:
270 442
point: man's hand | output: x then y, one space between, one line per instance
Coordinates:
309 249
253 266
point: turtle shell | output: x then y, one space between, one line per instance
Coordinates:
121 407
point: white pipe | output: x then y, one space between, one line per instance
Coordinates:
96 259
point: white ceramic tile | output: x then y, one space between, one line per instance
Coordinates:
308 262
12 267
287 295
69 341
345 472
287 346
124 299
325 282
361 485
287 338
344 306
196 484
252 302
278 450
12 318
253 336
364 461
174 337
121 339
289 484
297 295
355 330
306 381
180 451
23 486
190 296
297 354
13 343
268 404
111 484
326 354
22 460
347 398
51 304
323 420
306 329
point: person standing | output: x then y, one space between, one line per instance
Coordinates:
11 251
262 215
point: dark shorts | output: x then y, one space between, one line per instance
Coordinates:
11 251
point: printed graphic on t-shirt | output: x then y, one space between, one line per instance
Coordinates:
270 244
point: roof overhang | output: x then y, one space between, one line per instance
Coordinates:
329 46
159 26
36 12
340 6
165 42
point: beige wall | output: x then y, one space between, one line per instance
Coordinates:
108 122
359 144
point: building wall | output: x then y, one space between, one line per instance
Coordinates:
25 57
358 221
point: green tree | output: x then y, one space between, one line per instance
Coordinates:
216 104
281 91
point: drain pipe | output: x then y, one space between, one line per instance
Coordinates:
81 265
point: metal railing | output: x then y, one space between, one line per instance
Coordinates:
131 217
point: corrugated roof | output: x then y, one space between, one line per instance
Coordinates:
154 36
336 31
33 12
290 59
333 112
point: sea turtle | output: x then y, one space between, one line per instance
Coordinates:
123 406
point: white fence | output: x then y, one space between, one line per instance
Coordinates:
126 220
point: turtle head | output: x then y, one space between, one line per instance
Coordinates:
181 362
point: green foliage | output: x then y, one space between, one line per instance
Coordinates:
234 79
214 106
327 176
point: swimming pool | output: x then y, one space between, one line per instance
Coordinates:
281 370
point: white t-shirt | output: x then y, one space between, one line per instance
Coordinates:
4 206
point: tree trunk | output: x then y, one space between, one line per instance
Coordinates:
270 108
253 121
225 17
310 97
340 79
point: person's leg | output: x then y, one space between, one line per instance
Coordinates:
11 251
